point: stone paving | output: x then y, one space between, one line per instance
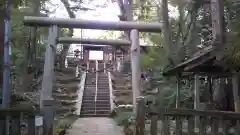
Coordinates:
95 126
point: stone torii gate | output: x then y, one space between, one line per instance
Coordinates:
55 23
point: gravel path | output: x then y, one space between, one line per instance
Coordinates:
95 126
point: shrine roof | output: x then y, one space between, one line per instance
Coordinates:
202 61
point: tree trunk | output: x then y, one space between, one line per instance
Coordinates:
2 45
63 54
181 48
167 32
126 15
33 53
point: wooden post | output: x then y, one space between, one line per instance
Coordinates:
140 118
136 67
178 101
178 91
235 85
196 98
16 125
31 125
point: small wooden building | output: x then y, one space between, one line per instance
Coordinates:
203 63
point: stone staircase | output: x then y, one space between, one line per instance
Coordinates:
103 95
100 108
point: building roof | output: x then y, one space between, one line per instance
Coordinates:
202 61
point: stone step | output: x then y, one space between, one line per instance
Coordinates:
97 108
90 91
103 83
92 105
103 88
103 79
94 115
95 111
100 80
98 101
99 94
98 97
102 92
90 82
90 87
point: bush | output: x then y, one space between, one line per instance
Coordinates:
125 118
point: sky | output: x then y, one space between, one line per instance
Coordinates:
110 13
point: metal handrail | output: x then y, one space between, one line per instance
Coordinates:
95 98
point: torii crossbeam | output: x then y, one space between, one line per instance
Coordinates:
92 24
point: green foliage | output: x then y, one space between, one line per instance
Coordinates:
125 118
65 123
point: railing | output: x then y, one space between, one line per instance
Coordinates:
80 93
104 66
87 66
96 91
110 90
77 71
182 121
14 118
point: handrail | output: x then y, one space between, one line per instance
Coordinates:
104 66
95 98
77 71
80 93
110 90
87 66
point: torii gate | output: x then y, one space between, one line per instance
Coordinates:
55 23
